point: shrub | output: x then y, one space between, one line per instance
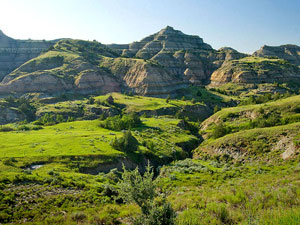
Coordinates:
168 99
28 110
216 109
121 123
46 119
127 143
10 100
199 94
141 189
91 100
5 129
78 216
220 130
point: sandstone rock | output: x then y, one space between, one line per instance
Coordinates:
255 70
10 115
290 53
14 53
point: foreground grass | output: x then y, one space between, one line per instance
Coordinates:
225 193
201 191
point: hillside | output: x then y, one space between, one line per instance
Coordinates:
255 70
13 53
158 65
291 53
268 131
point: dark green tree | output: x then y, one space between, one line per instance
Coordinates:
127 143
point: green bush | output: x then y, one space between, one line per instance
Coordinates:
216 109
142 190
220 130
127 143
5 129
121 123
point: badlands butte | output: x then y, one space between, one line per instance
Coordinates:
158 65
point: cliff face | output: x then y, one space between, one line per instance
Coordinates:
185 57
61 70
291 53
255 70
14 53
158 65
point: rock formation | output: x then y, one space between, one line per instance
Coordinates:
14 53
158 65
255 70
290 53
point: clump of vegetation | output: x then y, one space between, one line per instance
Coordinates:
216 109
6 129
143 190
251 100
51 119
220 130
127 143
24 105
124 122
91 100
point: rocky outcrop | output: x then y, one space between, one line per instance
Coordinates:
13 53
10 115
158 65
167 38
59 71
255 70
291 53
183 60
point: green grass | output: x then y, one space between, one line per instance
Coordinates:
86 138
74 138
252 59
234 194
140 103
258 143
237 117
78 138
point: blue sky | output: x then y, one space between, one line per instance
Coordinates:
245 25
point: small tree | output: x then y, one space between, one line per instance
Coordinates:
110 100
199 94
216 108
168 99
91 100
142 190
60 118
127 143
220 130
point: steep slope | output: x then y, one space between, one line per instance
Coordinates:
186 57
255 70
167 38
271 143
69 67
160 64
290 53
14 53
260 131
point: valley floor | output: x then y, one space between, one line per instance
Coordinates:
56 170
